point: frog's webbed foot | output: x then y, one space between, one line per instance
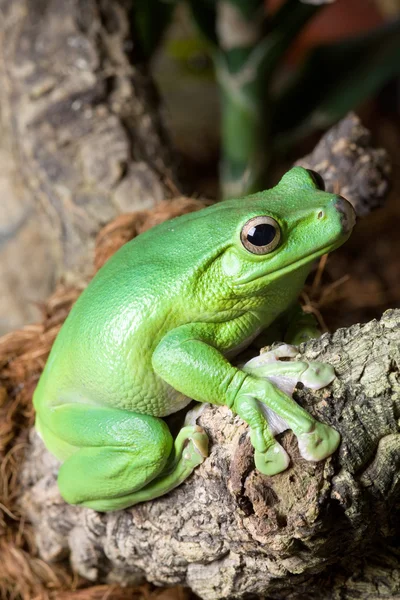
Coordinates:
319 443
316 440
191 445
286 374
190 450
272 461
114 458
269 456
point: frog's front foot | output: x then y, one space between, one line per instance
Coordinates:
319 443
316 440
272 461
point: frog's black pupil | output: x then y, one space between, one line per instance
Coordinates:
318 180
261 235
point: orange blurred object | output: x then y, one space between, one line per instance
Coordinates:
340 19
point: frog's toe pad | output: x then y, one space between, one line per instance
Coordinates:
317 375
319 443
273 461
196 449
273 356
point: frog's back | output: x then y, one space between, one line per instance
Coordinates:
103 352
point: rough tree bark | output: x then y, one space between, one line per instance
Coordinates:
350 165
81 141
230 531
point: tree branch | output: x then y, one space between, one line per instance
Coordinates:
351 165
230 531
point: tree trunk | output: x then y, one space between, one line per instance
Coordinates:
229 531
81 141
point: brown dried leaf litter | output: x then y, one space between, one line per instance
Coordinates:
23 575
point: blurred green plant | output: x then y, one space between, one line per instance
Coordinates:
248 45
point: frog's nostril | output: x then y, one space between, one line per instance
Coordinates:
348 215
321 214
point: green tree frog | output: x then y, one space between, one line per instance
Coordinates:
158 326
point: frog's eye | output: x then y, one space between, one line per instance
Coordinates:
260 235
317 179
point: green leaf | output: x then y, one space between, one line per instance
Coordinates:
334 79
150 20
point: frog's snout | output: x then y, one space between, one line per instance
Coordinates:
348 215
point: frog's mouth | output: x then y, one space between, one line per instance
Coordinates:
292 266
307 259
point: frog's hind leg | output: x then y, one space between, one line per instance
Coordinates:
190 449
113 454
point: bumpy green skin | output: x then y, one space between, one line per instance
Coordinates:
157 326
